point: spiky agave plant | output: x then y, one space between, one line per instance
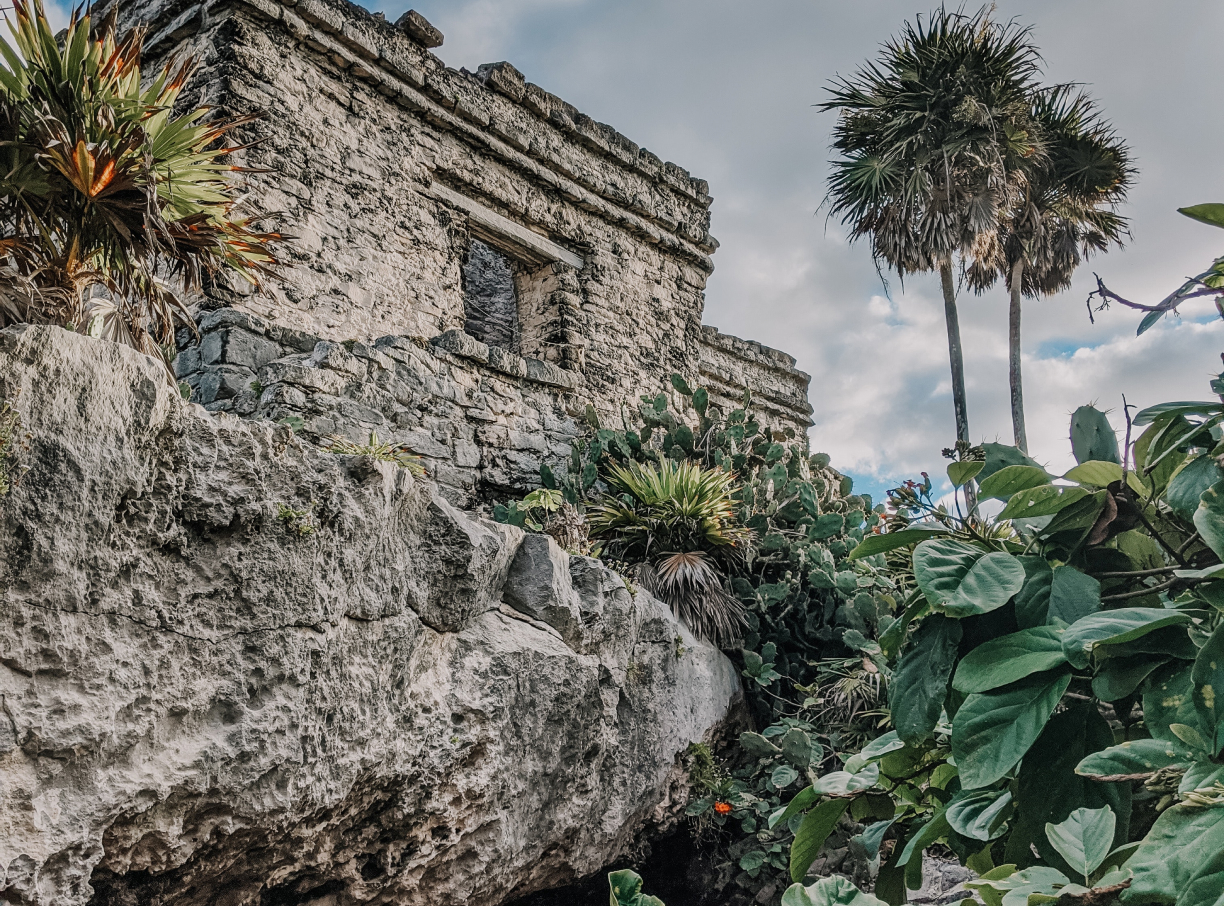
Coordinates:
108 201
676 522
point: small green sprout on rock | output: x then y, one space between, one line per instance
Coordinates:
297 522
384 452
680 648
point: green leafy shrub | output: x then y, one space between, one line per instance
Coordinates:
1052 676
626 889
108 196
399 454
296 522
675 521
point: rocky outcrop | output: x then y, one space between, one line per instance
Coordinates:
235 669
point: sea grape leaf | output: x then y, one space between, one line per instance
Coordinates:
1084 839
1209 518
811 836
979 815
1012 480
1207 676
842 783
1113 627
1118 677
962 580
1190 481
626 888
1073 595
1048 789
834 891
1178 847
920 681
889 541
1169 700
992 730
1045 500
1010 658
961 473
1136 756
1033 600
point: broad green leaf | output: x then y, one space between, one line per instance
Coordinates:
961 473
979 815
993 730
871 838
1084 839
1137 756
1169 700
1012 480
1206 888
920 681
1201 775
962 580
811 836
1208 679
1190 735
890 541
842 783
803 799
1073 595
1209 518
1048 789
1041 501
1079 517
1118 677
1212 214
627 890
835 891
1190 481
1113 627
1177 848
799 748
875 750
1033 601
1151 413
1009 658
1140 548
1102 474
911 857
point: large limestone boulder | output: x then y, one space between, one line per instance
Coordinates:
235 669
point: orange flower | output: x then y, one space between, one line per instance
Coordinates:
723 808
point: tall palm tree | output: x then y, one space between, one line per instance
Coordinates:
934 135
1065 213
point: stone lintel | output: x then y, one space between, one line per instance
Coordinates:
505 234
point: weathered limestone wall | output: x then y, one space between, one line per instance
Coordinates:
779 389
204 704
369 138
484 419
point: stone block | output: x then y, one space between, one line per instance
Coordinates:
421 443
232 317
334 357
419 29
539 585
187 362
293 339
507 362
238 346
459 343
504 79
310 378
546 373
222 382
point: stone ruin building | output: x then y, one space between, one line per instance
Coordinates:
474 262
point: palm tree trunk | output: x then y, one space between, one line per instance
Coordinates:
1013 355
956 358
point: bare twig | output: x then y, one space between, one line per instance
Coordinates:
1155 589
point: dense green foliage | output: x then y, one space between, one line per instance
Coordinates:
1053 675
106 197
398 454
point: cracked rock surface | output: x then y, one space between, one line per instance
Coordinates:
235 669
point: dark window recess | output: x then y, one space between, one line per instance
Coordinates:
490 305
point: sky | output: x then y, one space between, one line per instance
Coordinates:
727 90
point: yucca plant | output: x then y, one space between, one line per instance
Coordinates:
110 204
398 454
675 521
